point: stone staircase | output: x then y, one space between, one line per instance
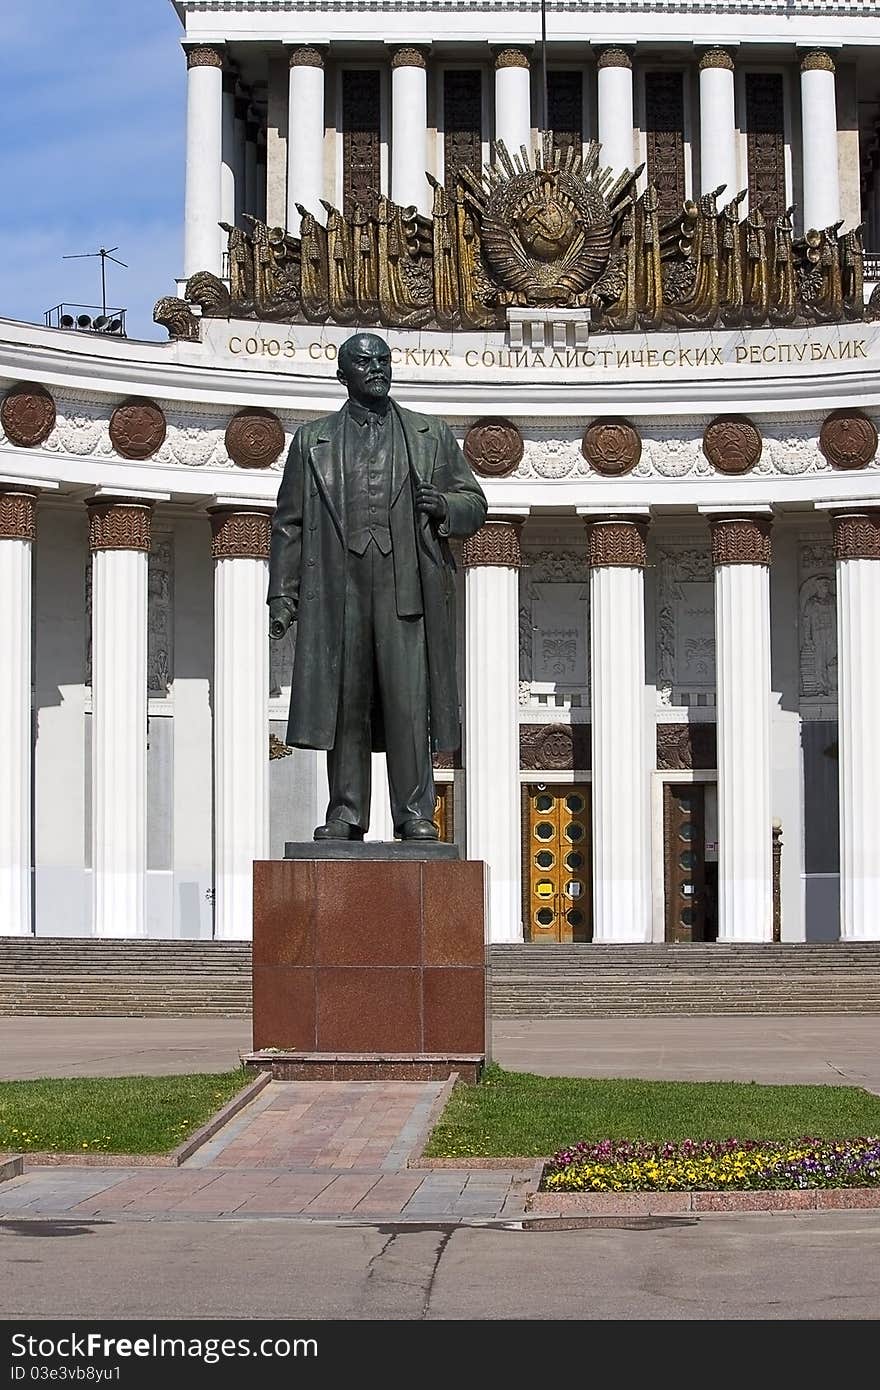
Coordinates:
136 979
211 979
577 981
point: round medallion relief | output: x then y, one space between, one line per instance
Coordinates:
28 414
732 444
493 447
254 438
137 428
848 439
612 447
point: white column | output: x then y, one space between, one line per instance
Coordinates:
409 129
305 135
381 819
260 210
227 165
204 123
119 539
616 122
621 782
741 556
491 560
819 136
250 168
513 100
240 137
857 552
719 163
17 530
241 714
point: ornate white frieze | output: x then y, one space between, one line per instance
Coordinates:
685 624
817 628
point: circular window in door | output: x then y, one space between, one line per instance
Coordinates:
544 830
573 888
575 917
574 861
544 888
574 832
544 916
543 803
574 803
687 859
686 831
686 916
545 859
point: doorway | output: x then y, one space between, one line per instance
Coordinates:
691 861
558 863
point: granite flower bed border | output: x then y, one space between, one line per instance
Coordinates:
638 1178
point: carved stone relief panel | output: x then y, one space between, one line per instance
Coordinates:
554 625
817 626
685 624
160 615
281 665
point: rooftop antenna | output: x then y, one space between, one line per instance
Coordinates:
105 254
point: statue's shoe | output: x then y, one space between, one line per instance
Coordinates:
419 830
338 830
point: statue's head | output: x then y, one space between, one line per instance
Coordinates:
364 368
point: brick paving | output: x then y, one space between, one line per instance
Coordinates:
314 1149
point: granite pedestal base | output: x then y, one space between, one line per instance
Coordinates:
369 967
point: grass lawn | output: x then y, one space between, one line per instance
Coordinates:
118 1114
515 1113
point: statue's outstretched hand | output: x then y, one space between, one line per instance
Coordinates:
281 615
431 501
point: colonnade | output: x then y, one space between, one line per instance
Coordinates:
223 179
622 729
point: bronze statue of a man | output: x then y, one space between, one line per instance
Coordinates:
360 560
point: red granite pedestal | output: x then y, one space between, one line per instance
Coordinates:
371 969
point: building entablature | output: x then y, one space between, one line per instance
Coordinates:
569 21
197 420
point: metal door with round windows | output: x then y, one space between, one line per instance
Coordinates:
558 864
684 835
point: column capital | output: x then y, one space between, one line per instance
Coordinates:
817 60
408 56
614 56
511 58
306 55
740 540
496 544
856 535
204 56
717 58
18 514
239 533
119 525
617 541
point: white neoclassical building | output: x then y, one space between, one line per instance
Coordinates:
668 656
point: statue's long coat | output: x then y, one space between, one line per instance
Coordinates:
308 563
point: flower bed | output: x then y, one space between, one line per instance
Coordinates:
730 1165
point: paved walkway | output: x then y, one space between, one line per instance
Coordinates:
310 1149
755 1047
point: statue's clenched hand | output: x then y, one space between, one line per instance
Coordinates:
281 615
431 501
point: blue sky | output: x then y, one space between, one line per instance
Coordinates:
91 154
